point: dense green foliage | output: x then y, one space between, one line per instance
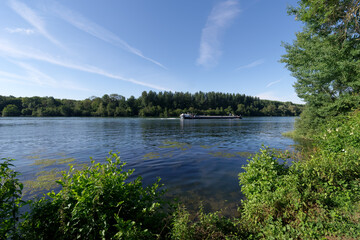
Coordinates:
326 17
314 198
149 104
325 59
10 199
98 202
209 226
10 110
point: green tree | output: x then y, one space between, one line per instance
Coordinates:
10 111
240 109
324 59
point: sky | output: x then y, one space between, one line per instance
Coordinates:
78 49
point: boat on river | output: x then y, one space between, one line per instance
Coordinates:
194 116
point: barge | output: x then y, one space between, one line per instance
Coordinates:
192 116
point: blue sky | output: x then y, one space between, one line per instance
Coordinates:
77 49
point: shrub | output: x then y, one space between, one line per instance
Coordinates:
98 202
10 199
271 193
313 198
205 226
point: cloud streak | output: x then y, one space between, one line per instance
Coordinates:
43 79
220 17
84 24
35 20
273 83
15 52
251 65
27 31
35 76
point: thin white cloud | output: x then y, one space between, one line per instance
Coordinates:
84 24
219 18
15 52
253 64
34 19
27 31
9 80
13 78
35 77
273 83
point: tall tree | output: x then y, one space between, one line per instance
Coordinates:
324 59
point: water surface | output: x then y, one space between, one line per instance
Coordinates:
197 160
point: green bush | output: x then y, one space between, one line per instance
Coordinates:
271 193
10 199
205 226
313 198
98 202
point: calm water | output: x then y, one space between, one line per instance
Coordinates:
197 160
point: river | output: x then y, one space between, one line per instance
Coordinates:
197 160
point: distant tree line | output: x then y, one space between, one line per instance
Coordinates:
149 104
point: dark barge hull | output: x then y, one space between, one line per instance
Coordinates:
211 117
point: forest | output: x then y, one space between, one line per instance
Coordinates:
149 104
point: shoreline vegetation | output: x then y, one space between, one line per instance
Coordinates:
287 196
312 194
149 104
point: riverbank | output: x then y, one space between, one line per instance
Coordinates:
315 198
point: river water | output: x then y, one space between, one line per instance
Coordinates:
197 160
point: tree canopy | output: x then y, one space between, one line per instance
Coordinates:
324 59
10 111
151 104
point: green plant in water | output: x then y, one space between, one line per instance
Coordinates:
205 146
151 155
174 144
223 154
50 162
244 154
45 180
45 162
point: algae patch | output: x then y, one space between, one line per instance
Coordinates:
155 155
223 154
230 155
44 181
45 162
50 162
176 145
206 146
152 155
244 154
